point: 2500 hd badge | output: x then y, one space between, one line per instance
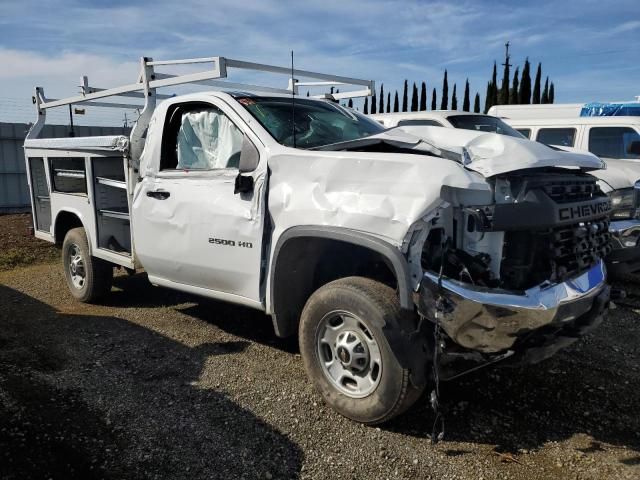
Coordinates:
230 243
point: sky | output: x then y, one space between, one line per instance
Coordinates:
589 49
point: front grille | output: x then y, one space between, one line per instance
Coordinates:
571 191
555 254
545 251
578 247
559 186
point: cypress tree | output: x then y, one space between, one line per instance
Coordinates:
536 86
504 90
396 107
444 102
433 100
423 97
545 92
350 104
513 94
552 93
365 110
381 107
524 94
494 86
465 102
488 97
405 94
454 99
373 103
388 102
414 98
476 104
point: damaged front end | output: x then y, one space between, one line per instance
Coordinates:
517 276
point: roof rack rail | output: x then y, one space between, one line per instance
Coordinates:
149 81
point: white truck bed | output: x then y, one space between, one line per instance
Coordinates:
58 169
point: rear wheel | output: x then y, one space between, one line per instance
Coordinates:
89 278
347 355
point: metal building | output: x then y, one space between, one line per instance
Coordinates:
14 194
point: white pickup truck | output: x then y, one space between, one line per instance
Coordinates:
380 250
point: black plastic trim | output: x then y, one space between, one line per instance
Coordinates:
397 261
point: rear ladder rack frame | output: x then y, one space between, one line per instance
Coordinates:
149 81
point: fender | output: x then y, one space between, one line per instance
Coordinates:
394 256
285 322
79 215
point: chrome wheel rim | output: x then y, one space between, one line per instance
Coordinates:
76 266
348 354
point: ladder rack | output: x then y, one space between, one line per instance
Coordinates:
214 76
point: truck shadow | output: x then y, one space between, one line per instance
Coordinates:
244 322
87 397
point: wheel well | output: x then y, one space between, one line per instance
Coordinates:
65 221
303 264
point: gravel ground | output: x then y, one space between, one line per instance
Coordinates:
19 246
157 384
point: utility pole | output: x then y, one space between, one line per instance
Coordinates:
507 57
503 98
71 132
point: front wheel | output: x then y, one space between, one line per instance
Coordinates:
347 355
89 278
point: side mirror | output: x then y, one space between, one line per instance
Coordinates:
249 158
634 147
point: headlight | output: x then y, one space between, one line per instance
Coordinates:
623 204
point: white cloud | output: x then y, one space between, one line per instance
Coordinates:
626 27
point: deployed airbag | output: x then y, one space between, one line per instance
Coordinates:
207 139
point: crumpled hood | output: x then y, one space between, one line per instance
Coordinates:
493 154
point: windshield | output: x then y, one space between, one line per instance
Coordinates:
317 123
483 123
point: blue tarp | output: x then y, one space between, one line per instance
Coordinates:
597 109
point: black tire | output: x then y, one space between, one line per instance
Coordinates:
375 305
98 274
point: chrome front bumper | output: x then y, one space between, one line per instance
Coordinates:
491 320
625 256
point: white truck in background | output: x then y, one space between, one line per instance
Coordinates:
615 139
385 253
477 122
